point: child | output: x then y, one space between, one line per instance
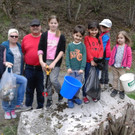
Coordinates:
76 60
8 107
105 27
120 61
93 49
51 50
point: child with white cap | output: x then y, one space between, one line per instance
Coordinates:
105 27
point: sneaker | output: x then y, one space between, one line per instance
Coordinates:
122 94
13 114
94 99
77 101
106 86
60 98
7 116
114 93
49 103
86 100
22 107
70 104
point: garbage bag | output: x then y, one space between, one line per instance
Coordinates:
7 86
92 84
100 62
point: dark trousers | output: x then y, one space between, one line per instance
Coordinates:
35 81
104 74
87 69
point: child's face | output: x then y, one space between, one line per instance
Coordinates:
104 29
93 32
77 37
53 25
121 39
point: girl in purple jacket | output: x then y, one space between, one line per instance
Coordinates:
120 61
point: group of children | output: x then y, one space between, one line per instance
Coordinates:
80 56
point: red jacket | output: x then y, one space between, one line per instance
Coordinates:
107 52
93 48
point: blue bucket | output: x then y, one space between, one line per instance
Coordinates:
70 87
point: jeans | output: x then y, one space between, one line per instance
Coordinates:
22 83
79 77
87 69
35 81
52 80
104 74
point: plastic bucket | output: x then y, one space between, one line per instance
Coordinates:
70 87
128 82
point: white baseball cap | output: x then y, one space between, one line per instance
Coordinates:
106 22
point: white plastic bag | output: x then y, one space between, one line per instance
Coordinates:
7 86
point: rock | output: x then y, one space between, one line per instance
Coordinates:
85 119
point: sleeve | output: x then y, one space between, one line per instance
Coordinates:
68 57
101 50
129 57
105 39
112 57
88 49
63 43
83 58
41 43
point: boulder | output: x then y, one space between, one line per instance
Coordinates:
107 116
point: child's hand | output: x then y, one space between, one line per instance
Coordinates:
69 71
8 64
127 68
52 65
109 66
80 71
43 65
93 63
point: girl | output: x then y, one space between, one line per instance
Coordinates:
51 50
120 61
93 49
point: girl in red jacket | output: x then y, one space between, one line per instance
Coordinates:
93 49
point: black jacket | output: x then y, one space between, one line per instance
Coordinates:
43 46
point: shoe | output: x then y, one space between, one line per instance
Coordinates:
13 114
106 86
7 116
86 100
22 107
122 94
95 100
77 101
49 103
70 104
114 93
60 98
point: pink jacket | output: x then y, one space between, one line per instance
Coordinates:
127 56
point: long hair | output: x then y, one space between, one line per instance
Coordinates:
94 24
128 40
58 32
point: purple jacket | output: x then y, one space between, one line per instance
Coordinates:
127 56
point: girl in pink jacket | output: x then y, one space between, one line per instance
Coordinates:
120 61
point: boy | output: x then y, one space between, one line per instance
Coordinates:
105 27
76 60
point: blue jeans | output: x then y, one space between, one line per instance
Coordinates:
104 74
22 83
35 81
87 69
79 77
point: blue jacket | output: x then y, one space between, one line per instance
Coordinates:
9 54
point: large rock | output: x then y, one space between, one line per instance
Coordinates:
81 120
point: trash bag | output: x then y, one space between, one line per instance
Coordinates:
92 84
100 62
7 86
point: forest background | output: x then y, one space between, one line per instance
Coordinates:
18 14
